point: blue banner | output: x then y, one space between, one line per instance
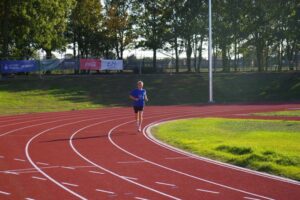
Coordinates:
15 66
51 64
69 64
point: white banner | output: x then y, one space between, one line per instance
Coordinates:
111 64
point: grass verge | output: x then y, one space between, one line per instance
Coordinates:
292 113
263 145
58 93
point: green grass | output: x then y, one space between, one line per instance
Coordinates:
58 93
268 146
292 113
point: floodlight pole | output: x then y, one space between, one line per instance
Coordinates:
210 56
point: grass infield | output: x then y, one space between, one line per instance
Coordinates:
263 145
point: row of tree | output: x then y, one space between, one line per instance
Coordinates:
248 29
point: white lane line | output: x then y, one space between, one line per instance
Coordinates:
209 191
80 167
140 198
250 198
1 157
5 193
95 172
21 160
40 170
72 168
171 169
105 191
41 163
69 184
131 178
29 198
107 170
9 172
167 184
47 130
39 178
177 158
28 170
130 162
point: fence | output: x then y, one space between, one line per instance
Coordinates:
58 65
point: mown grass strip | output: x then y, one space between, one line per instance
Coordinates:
57 93
263 145
292 113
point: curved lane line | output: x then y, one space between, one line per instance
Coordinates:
34 120
25 127
149 136
176 171
109 171
41 171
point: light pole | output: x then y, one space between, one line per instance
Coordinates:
210 76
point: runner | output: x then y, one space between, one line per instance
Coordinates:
139 96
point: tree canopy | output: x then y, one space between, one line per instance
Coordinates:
255 30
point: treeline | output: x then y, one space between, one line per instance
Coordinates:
254 30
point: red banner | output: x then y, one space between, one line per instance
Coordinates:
90 64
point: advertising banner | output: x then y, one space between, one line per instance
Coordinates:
16 66
69 64
51 64
90 64
111 64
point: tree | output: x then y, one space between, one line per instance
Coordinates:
86 24
151 20
118 23
49 23
258 25
16 32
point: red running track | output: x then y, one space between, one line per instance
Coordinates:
98 154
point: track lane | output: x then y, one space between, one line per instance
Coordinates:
82 177
9 152
282 189
90 181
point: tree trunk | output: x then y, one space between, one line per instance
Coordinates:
200 54
226 68
48 54
280 56
259 57
176 55
195 45
154 60
189 54
235 56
